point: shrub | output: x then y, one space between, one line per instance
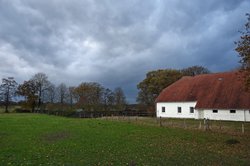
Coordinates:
21 110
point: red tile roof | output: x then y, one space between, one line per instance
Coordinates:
211 91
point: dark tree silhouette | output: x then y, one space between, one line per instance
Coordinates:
195 70
43 85
8 90
29 90
154 83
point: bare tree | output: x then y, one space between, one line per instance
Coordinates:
41 81
108 99
50 94
62 91
71 95
8 90
120 98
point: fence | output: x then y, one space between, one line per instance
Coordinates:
230 127
127 113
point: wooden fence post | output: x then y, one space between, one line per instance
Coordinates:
185 125
242 128
206 125
200 125
160 122
220 125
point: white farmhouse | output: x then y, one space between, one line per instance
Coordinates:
219 96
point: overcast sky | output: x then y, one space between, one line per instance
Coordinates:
116 42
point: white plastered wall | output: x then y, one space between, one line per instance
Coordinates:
171 109
239 115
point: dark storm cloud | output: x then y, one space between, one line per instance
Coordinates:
116 42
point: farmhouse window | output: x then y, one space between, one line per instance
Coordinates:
191 110
232 111
215 111
163 109
179 109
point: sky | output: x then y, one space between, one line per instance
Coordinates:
116 42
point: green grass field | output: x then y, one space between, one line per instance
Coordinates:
35 139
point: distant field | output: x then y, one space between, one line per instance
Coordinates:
35 139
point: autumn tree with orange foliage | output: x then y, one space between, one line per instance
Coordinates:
243 49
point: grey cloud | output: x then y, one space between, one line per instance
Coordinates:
116 42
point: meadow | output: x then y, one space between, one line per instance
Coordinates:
36 139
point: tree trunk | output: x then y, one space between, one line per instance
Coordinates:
6 108
7 101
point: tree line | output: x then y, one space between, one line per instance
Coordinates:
38 94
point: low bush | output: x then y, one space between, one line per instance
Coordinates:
21 110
